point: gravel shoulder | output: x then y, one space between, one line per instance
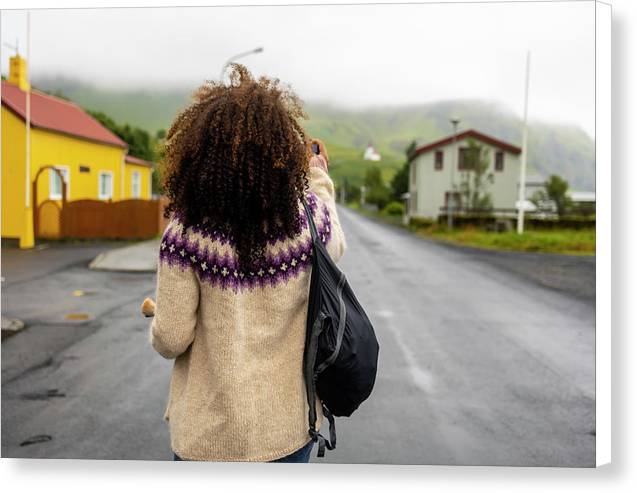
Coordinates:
571 274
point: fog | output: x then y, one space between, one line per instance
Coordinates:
365 55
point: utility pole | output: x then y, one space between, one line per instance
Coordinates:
523 157
451 198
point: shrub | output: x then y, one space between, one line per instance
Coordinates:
421 222
394 209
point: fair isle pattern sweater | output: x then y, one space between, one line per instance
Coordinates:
237 391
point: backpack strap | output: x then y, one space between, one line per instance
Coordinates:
312 340
323 442
310 222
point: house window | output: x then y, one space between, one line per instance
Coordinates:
105 185
136 185
55 183
499 161
467 158
439 160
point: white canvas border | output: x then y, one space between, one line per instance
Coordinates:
603 315
35 475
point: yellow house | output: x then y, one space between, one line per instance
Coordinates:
138 178
92 161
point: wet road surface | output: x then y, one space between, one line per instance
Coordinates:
480 363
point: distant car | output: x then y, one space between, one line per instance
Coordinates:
527 206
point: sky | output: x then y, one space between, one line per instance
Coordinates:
350 55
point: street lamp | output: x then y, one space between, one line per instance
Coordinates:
451 199
236 57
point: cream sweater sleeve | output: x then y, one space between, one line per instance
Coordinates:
321 184
173 327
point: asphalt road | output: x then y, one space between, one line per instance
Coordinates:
481 362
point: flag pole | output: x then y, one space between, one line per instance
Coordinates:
523 158
27 238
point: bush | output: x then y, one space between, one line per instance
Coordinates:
394 209
421 222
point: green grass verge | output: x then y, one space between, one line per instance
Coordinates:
563 241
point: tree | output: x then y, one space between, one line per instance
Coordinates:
140 143
160 141
373 177
376 191
556 191
475 177
352 192
400 181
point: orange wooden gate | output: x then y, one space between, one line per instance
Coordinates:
126 219
49 220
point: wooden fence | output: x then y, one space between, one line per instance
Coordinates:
96 219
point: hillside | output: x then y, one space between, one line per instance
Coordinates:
560 149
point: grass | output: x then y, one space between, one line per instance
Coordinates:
348 164
565 241
562 241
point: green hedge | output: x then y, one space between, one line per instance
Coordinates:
394 209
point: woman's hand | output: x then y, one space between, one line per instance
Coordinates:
320 160
148 308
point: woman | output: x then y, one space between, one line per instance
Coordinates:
234 271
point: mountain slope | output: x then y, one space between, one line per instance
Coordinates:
553 149
560 149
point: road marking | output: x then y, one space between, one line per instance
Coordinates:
421 378
385 313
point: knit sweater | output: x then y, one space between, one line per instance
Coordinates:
237 391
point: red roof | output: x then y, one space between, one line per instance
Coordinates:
464 135
58 115
138 161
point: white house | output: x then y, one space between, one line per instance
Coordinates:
436 167
371 154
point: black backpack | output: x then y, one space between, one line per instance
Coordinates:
341 350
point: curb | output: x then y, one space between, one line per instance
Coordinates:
137 258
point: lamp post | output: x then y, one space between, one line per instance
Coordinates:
236 57
523 157
451 198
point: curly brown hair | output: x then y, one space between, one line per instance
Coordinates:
236 160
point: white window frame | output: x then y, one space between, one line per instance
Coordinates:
99 185
53 176
136 179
